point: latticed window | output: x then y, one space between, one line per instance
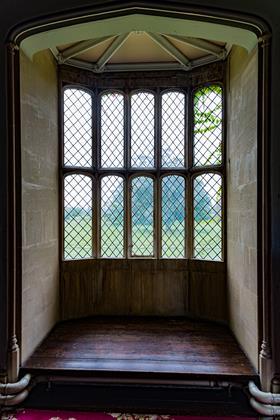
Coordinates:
143 172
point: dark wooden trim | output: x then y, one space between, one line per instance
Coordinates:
259 204
4 302
18 189
224 159
14 214
266 368
184 264
142 80
60 192
132 396
142 171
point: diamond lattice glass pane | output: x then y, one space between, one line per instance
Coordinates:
112 217
173 130
142 130
173 217
208 217
77 217
112 130
142 209
208 126
77 128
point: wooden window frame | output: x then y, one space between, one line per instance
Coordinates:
128 84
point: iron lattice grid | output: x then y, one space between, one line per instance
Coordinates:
77 128
208 132
207 207
142 130
112 127
173 127
157 172
112 217
173 216
142 217
77 216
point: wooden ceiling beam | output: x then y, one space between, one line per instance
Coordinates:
79 48
165 44
202 44
126 66
143 66
111 50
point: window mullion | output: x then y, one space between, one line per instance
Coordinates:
62 215
97 216
158 129
189 183
223 218
159 217
156 217
128 221
187 129
93 227
127 189
157 196
61 175
189 225
224 176
127 131
96 164
95 129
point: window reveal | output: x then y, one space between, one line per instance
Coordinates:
138 182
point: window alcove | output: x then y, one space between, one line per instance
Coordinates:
139 313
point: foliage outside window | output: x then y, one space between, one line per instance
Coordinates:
143 173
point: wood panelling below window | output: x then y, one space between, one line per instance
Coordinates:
144 287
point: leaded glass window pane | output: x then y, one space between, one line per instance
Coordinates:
173 130
77 128
208 217
77 217
142 130
112 130
112 217
139 164
173 217
142 216
208 126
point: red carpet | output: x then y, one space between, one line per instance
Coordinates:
79 415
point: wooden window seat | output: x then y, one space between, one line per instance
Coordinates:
141 347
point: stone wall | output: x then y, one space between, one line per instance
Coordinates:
242 199
39 134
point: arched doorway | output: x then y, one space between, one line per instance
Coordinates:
142 27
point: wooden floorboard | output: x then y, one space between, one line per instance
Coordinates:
147 346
